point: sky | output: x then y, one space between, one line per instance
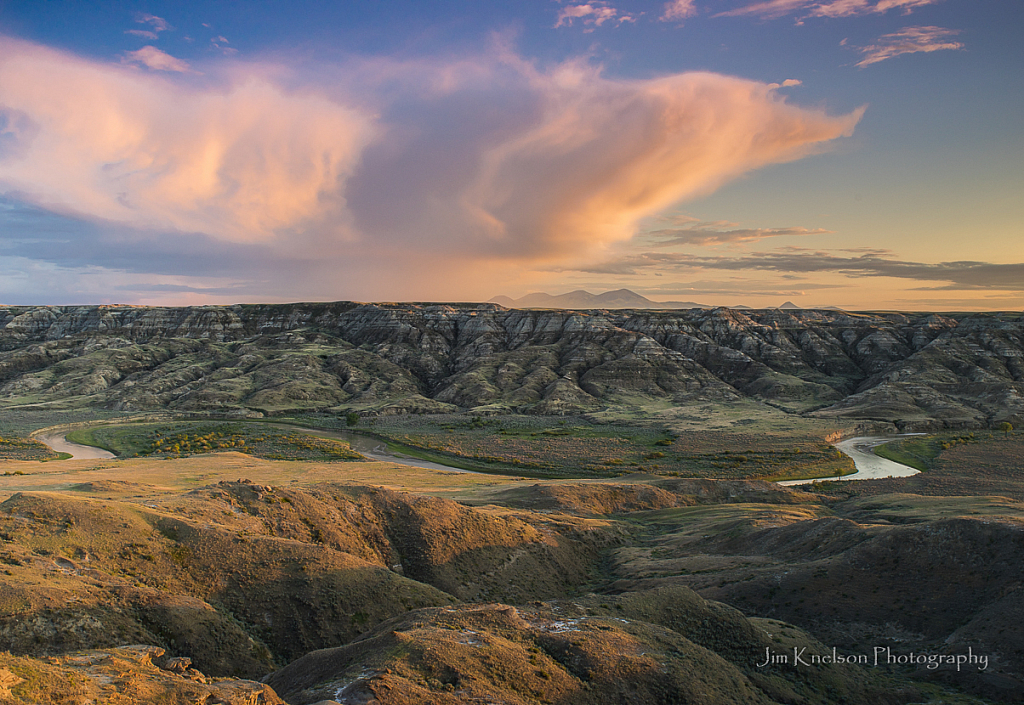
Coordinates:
865 154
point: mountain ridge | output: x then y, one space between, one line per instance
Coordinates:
580 298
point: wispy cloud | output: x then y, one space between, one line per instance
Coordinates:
153 58
678 10
771 9
736 286
909 40
156 24
144 33
962 275
221 43
718 233
592 14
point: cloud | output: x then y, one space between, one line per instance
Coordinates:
772 9
220 43
960 275
157 24
703 233
237 161
144 33
374 173
677 10
742 286
592 14
909 40
153 58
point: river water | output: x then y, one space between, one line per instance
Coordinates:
369 448
861 448
61 444
372 449
869 465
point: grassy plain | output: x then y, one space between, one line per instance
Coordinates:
588 447
185 438
921 452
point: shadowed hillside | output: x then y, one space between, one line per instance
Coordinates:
914 370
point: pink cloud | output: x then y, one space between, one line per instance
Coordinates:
609 153
593 14
678 10
379 169
158 24
909 40
153 58
770 9
239 161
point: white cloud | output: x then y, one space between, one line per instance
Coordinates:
592 14
677 10
909 40
770 9
221 43
158 24
144 33
153 58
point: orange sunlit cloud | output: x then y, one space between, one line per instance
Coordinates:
387 161
239 162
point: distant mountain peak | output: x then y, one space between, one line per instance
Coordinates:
581 299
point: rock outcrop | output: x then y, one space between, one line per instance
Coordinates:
913 370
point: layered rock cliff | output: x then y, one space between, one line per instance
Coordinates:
913 369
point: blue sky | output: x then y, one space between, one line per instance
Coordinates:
859 153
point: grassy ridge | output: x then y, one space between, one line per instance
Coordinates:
27 449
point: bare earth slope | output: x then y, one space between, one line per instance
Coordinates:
914 370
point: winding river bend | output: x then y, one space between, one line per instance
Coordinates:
60 443
861 448
369 448
869 465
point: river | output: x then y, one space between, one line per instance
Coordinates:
60 443
373 449
369 448
861 448
869 465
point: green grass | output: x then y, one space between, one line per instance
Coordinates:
184 438
582 447
96 437
21 422
921 452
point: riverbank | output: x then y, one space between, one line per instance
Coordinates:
870 466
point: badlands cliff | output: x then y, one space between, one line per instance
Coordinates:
916 371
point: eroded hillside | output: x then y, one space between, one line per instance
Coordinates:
915 370
520 592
